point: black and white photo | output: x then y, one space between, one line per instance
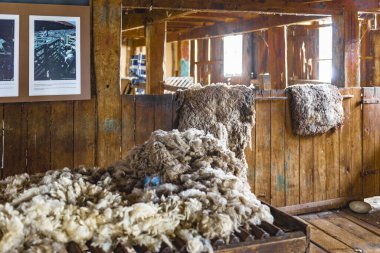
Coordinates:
54 55
9 50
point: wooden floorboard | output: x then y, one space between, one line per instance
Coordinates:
315 249
343 231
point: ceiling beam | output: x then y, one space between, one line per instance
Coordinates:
265 6
252 25
135 19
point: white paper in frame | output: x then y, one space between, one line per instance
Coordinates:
54 55
9 55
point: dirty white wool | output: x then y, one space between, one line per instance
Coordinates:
315 108
226 111
203 195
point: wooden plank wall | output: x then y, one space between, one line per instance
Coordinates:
284 169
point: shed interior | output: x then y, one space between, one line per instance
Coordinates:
282 43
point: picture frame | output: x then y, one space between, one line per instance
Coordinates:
55 85
54 55
9 55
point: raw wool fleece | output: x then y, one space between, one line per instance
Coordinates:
315 109
203 195
223 110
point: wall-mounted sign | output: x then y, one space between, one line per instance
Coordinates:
54 56
9 55
44 52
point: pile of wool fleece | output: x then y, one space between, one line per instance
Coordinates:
315 109
226 111
203 195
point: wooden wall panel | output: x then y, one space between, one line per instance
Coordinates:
85 133
292 165
144 117
345 150
1 141
356 122
38 137
62 137
332 165
277 147
306 170
163 112
15 125
369 147
263 141
128 124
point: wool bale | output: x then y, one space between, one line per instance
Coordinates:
315 109
223 110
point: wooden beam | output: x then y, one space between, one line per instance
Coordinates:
135 19
268 6
351 46
251 25
277 57
106 33
247 59
338 74
155 57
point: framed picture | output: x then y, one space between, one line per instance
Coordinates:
9 55
52 52
54 55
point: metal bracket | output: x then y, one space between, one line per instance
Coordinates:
371 101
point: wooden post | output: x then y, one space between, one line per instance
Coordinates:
376 50
363 52
351 37
337 78
217 58
155 34
192 58
247 59
106 29
277 57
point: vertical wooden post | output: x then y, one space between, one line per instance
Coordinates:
247 59
192 58
217 59
351 37
337 78
106 32
277 57
376 54
363 52
155 36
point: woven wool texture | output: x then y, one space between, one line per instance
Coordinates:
315 109
225 111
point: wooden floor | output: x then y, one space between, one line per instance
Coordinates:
344 231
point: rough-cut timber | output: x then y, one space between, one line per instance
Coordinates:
106 27
315 109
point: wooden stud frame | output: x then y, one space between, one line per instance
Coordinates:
26 10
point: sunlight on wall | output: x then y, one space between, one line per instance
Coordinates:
325 54
233 55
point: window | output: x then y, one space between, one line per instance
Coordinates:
325 54
233 55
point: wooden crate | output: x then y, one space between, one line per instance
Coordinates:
286 235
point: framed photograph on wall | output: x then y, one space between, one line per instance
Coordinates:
9 55
54 55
